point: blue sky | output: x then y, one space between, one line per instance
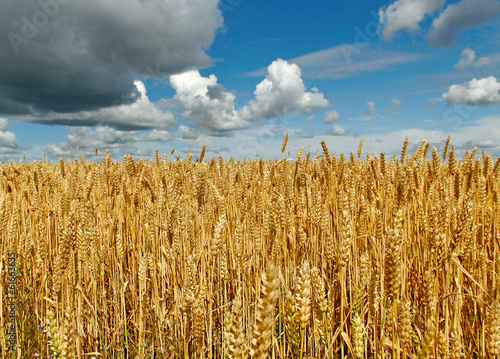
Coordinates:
132 76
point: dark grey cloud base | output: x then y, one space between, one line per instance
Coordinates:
66 56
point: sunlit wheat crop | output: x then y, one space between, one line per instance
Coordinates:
324 257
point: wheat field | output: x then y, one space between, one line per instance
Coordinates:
319 257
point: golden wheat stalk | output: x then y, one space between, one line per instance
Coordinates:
264 316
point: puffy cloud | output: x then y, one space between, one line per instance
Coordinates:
55 150
87 54
485 91
7 139
405 14
309 119
186 133
159 136
461 16
467 58
282 92
4 124
201 96
396 104
370 111
141 114
336 130
331 116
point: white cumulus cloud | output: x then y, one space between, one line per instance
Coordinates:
282 92
330 116
484 91
7 139
370 111
186 133
201 96
336 130
4 124
102 136
158 136
405 14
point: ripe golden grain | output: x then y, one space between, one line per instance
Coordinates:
376 255
264 317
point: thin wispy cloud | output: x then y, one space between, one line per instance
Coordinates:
396 104
347 60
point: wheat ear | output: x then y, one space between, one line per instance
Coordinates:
264 325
